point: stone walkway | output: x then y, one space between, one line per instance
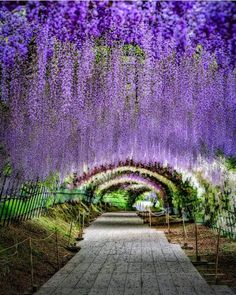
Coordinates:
121 255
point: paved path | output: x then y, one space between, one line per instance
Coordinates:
121 255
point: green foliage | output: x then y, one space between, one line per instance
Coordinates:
89 192
67 180
51 181
118 198
215 200
231 163
102 53
7 169
64 195
228 162
158 206
129 49
188 200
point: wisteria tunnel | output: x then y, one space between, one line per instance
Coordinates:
117 141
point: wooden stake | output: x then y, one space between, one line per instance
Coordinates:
83 222
89 219
196 241
70 233
80 231
31 263
168 218
150 219
217 254
57 249
184 228
16 243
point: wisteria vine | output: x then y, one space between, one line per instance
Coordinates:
92 82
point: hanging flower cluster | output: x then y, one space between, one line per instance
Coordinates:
185 24
92 82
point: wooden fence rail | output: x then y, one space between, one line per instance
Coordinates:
21 201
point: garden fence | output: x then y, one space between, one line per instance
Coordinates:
21 201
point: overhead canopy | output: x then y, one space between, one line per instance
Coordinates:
92 82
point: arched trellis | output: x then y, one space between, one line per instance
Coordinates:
102 188
108 174
134 188
126 182
100 176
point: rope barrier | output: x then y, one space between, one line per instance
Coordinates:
13 246
150 214
33 239
11 255
158 214
19 243
30 239
57 244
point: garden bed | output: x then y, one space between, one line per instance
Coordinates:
207 242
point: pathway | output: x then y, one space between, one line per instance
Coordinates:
121 255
